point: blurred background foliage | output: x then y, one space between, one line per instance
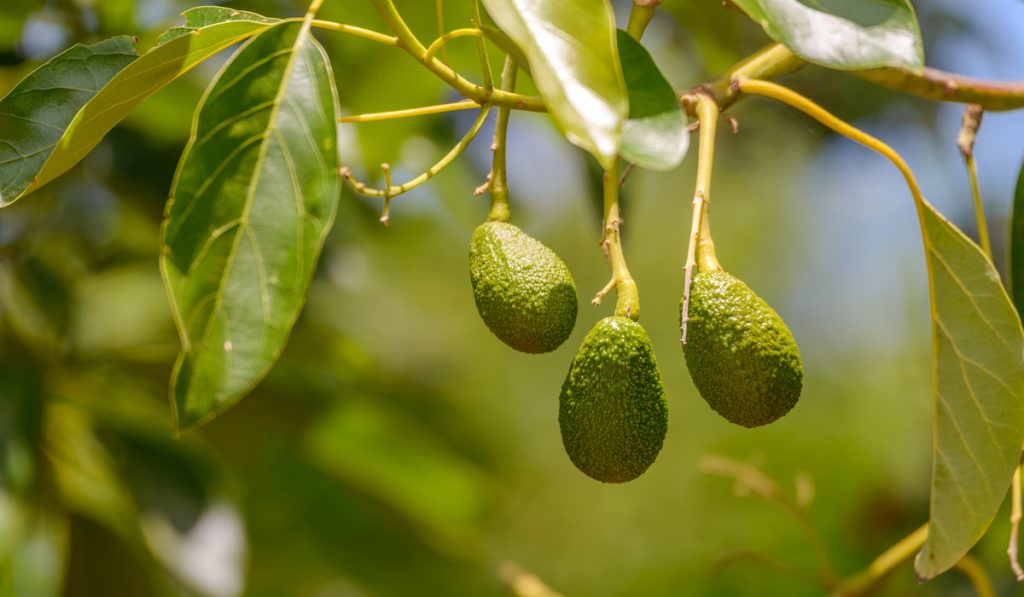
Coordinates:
398 448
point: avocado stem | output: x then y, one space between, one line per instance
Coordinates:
701 249
627 303
500 209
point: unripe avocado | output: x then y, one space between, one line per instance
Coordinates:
740 354
612 410
524 292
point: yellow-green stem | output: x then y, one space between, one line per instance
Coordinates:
640 16
439 9
969 125
408 41
481 46
975 573
700 246
627 303
425 110
770 61
979 207
500 210
442 41
1015 518
433 171
387 40
896 555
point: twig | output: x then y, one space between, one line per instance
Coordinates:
424 111
433 171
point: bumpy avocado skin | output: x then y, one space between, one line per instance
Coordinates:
740 354
524 292
612 410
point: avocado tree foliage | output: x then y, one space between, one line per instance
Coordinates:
258 184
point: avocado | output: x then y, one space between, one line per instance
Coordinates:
612 410
524 292
740 354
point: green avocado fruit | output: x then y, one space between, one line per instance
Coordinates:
612 410
740 354
524 292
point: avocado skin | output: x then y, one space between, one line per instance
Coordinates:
612 410
523 291
740 354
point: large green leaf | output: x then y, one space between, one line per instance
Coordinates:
655 136
1015 263
978 372
61 111
843 34
574 62
35 114
253 198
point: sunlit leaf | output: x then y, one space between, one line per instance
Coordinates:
655 136
61 111
1015 263
843 34
35 114
575 64
978 348
253 198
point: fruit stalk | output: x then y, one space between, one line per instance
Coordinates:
500 211
627 302
706 110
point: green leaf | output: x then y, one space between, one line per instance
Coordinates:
574 62
1015 262
206 16
978 349
253 198
655 136
843 34
61 111
35 114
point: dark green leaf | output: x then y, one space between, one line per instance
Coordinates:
1015 262
843 34
979 393
35 114
253 198
60 112
575 64
655 136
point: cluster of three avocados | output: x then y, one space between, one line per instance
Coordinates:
612 409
